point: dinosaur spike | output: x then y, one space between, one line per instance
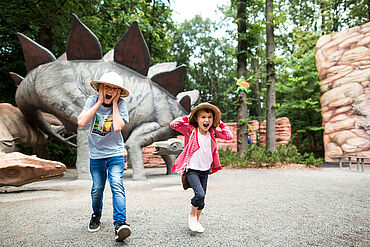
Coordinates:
185 102
161 67
193 94
82 44
34 54
132 51
16 78
63 57
173 80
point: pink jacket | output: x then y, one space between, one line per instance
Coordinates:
182 125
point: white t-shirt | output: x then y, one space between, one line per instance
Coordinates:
202 158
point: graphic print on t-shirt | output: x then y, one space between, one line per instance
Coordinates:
102 125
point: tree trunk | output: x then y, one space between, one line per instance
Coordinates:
258 74
242 115
270 80
258 89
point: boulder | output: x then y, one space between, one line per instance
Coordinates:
342 60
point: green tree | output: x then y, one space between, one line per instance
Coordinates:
254 52
298 97
242 115
270 79
210 69
48 23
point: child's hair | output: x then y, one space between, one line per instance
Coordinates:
194 122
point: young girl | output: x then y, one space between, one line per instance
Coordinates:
200 155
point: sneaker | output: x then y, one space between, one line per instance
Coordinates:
122 231
199 228
192 221
94 224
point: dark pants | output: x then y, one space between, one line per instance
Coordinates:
198 181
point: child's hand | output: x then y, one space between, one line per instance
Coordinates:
116 95
100 93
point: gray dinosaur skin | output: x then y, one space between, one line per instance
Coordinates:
172 146
62 87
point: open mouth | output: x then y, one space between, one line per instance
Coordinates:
156 151
108 96
52 176
206 125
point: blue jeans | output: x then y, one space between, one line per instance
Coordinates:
198 181
113 168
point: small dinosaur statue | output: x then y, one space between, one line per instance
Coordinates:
17 169
61 87
172 146
168 149
16 132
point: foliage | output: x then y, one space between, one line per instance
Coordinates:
210 69
59 152
255 53
112 19
358 14
63 153
298 94
257 156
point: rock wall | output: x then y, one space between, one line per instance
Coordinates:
343 63
282 131
254 126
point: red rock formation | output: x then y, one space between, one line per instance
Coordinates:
283 131
342 60
254 126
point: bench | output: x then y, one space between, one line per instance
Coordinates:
342 159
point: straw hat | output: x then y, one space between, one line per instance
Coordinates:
203 106
111 79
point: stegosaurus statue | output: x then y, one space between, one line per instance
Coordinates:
61 87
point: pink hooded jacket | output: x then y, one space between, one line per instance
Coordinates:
182 125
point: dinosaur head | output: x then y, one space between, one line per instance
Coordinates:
172 146
17 169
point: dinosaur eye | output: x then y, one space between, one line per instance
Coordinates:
11 172
174 145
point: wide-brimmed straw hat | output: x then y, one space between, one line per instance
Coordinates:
204 106
111 79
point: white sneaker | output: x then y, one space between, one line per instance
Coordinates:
192 221
200 228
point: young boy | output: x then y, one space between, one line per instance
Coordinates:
107 114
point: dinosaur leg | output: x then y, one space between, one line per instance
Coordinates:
169 160
83 158
136 157
143 135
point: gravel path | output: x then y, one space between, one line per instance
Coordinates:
275 207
